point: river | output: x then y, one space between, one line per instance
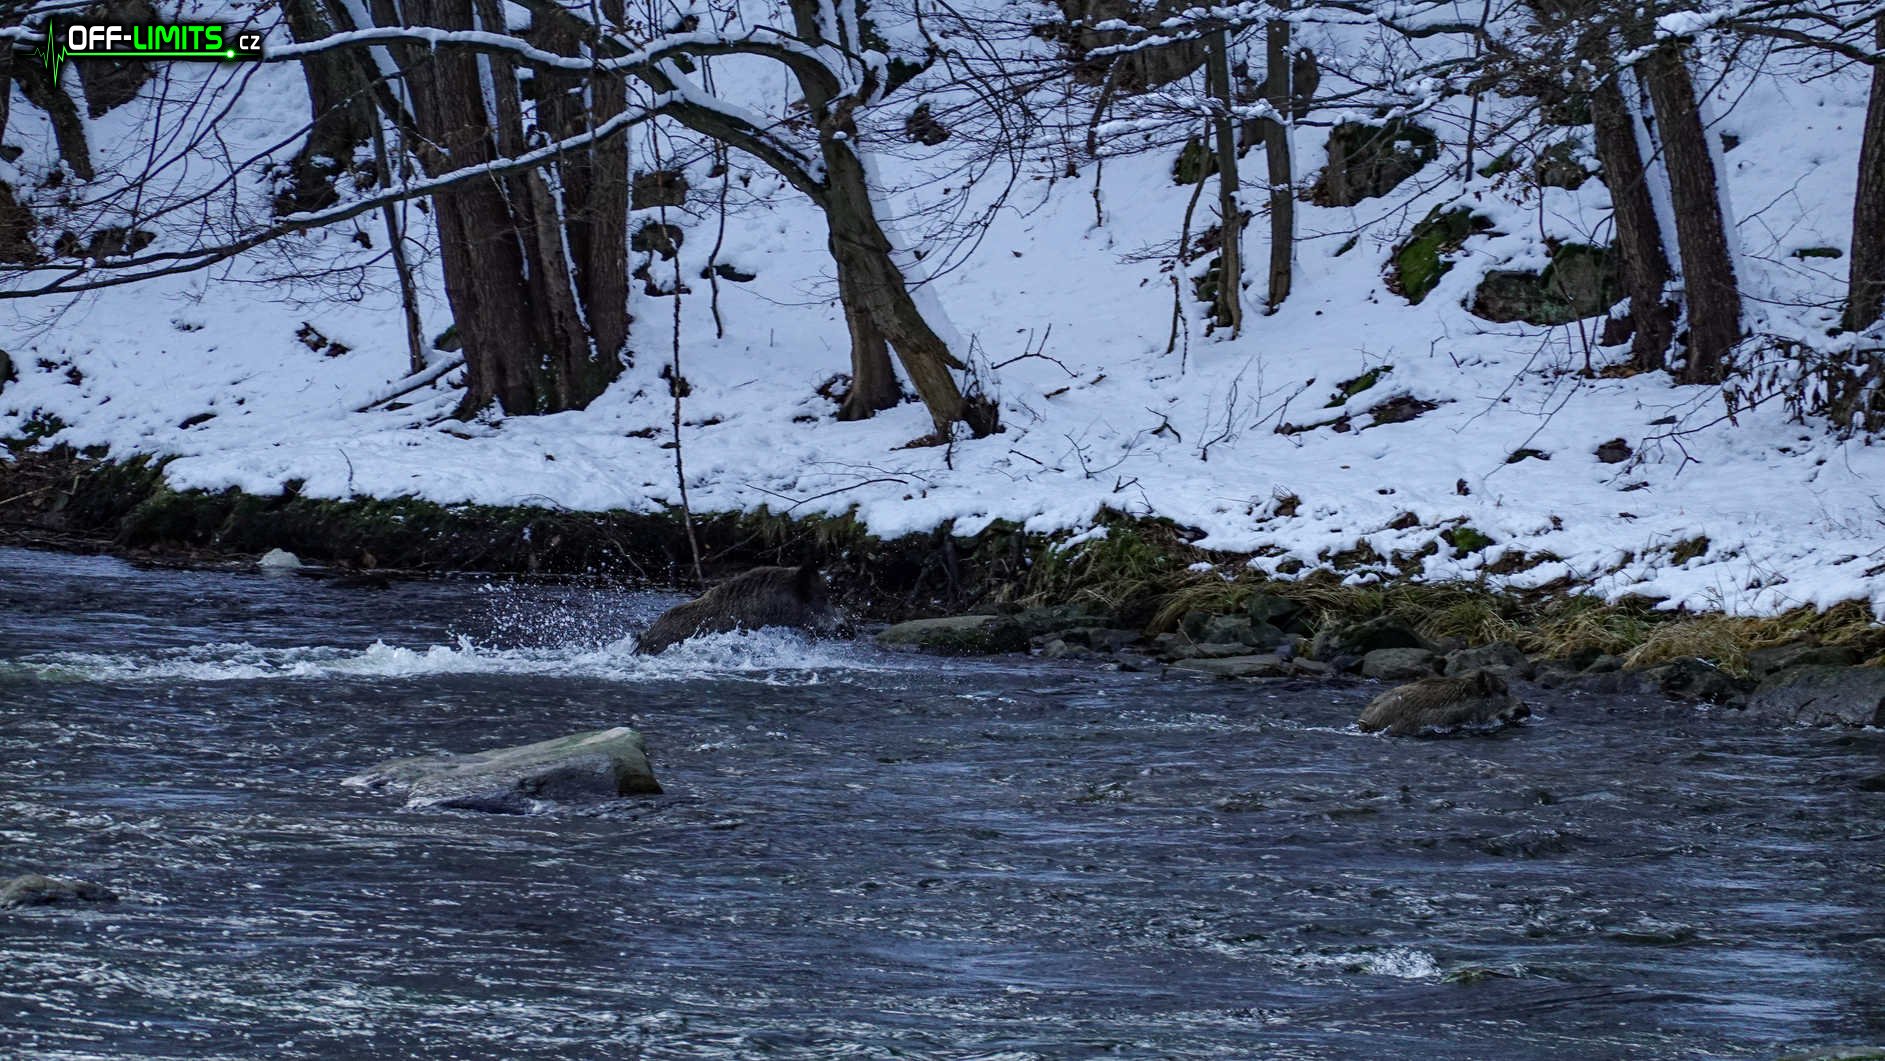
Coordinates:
868 854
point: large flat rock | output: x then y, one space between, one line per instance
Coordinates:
584 767
958 635
1822 696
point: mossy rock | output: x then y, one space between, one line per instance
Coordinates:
1581 281
1371 160
1421 261
1195 162
1561 165
959 635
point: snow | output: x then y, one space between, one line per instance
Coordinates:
1105 420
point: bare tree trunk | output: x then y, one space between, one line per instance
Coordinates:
1639 235
1865 296
595 189
479 240
873 381
509 272
864 257
68 129
396 244
108 83
1229 307
342 110
1279 77
1713 299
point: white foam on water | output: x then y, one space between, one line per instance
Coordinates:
1404 963
774 655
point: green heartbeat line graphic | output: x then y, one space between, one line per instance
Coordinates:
55 55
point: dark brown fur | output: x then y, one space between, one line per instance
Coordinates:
764 596
1430 705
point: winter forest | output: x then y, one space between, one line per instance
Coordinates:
1313 280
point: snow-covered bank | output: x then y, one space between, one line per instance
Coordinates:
250 381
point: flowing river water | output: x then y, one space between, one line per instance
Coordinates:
866 854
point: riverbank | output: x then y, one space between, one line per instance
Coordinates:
1132 593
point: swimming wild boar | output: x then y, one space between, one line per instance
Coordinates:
764 596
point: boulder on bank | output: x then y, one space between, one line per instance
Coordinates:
1399 664
958 635
584 767
1351 642
1502 658
34 889
1443 705
1765 661
1822 696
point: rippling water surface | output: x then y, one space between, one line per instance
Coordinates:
871 855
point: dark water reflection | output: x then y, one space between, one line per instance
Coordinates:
868 855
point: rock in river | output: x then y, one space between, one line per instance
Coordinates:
1822 696
1439 705
584 767
36 890
959 635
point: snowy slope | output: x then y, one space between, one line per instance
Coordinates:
1107 419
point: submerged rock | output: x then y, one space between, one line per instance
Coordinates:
1263 666
584 767
1822 696
958 635
1439 705
34 889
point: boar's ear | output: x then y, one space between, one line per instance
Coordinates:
806 582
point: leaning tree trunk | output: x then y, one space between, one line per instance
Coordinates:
1639 234
864 257
1708 280
1276 149
1865 296
1229 303
68 129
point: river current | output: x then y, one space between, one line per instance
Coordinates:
868 854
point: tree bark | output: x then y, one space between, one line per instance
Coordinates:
1279 79
510 273
1229 303
865 257
1865 295
1708 279
595 188
68 129
873 382
1640 247
342 110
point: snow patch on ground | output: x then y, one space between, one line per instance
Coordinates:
208 368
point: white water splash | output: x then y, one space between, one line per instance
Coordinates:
765 655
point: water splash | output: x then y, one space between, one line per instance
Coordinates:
771 654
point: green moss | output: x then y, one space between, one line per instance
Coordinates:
1420 262
1348 388
1195 162
1818 252
1465 539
